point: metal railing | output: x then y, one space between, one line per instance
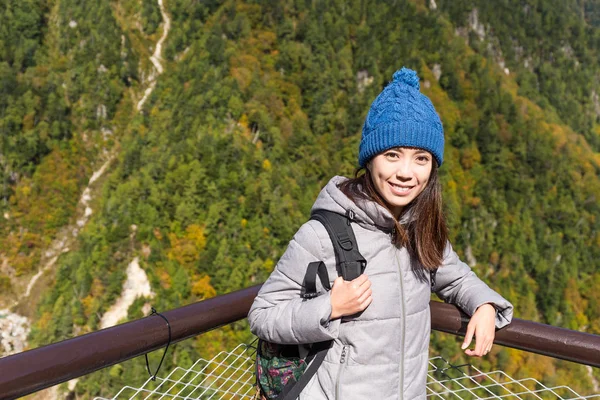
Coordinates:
36 369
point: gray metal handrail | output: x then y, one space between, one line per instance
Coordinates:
46 366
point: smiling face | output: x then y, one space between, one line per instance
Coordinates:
400 174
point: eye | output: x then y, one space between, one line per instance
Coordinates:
422 159
391 154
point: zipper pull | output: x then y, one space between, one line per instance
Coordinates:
343 357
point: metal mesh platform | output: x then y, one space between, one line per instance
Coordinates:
230 375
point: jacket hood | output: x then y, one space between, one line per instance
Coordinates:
367 213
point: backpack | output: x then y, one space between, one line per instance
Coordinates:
282 371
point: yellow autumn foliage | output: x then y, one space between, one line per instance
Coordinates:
164 277
243 76
267 165
447 109
268 265
44 320
577 304
186 250
88 305
470 157
202 288
97 288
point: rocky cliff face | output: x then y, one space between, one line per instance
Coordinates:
14 329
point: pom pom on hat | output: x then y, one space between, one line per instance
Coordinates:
408 77
401 116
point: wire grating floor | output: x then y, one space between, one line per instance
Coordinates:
230 375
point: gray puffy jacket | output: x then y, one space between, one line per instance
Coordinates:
381 353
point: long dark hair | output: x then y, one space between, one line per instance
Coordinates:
425 233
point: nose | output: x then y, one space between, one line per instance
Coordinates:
404 171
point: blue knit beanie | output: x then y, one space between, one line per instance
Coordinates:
401 116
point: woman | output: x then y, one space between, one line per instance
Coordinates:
380 322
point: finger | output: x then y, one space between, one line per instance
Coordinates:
490 344
481 340
360 280
479 350
480 344
471 353
338 281
366 303
366 284
487 345
468 336
362 289
364 295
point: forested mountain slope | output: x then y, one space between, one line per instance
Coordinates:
259 105
62 82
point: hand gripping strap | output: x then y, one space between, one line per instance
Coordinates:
349 261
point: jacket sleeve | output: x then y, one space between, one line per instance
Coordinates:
278 313
455 283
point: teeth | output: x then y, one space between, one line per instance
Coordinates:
401 188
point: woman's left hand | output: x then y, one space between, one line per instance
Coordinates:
483 326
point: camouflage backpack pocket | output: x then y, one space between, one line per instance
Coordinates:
277 366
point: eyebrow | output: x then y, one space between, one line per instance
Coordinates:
418 150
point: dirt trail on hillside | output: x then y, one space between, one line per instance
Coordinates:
157 56
69 233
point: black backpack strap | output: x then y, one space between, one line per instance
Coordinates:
315 268
315 358
349 261
432 276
